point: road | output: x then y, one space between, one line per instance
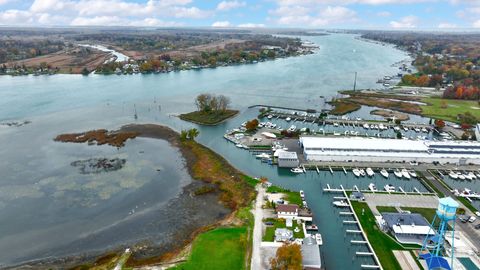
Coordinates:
467 228
257 229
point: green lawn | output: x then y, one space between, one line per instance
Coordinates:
280 223
292 197
455 107
219 249
208 118
386 209
381 243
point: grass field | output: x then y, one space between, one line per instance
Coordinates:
386 209
220 249
454 107
292 197
280 223
208 118
381 243
342 107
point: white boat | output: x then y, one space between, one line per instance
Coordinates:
370 172
318 238
335 124
239 145
384 173
405 173
362 172
366 126
263 155
270 116
472 175
356 172
461 176
372 187
340 203
398 173
424 130
412 173
389 188
296 170
288 119
292 128
302 194
477 174
467 176
453 175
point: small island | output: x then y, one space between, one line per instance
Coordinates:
211 110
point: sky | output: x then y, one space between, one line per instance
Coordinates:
314 14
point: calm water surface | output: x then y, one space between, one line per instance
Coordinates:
47 205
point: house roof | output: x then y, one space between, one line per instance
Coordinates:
404 223
311 254
287 154
287 208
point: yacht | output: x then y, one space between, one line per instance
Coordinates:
389 188
340 203
319 239
335 124
453 175
263 155
239 145
270 116
405 173
461 176
296 170
412 173
467 176
292 128
356 172
384 173
288 119
398 173
477 175
302 194
424 130
372 187
366 126
362 172
370 172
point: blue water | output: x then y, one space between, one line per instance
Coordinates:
41 183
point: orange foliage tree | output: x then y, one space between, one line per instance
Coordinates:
288 257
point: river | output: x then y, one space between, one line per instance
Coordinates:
47 205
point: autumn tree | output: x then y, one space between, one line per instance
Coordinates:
288 257
223 102
252 125
439 124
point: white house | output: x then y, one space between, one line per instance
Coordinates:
287 211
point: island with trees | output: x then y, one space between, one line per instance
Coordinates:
211 110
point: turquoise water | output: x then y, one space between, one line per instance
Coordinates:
53 198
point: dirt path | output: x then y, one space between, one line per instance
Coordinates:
257 230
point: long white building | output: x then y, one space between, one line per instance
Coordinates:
389 150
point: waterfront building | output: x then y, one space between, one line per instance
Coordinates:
287 211
407 228
356 149
311 259
287 159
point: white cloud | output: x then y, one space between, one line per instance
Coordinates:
222 24
3 2
227 5
476 24
347 2
104 12
447 25
251 25
405 22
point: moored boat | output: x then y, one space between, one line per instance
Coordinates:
453 175
356 172
372 187
397 173
362 172
384 173
370 172
296 170
405 173
340 203
412 173
389 188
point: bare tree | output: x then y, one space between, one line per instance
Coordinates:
223 102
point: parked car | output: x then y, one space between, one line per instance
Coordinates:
269 223
463 219
477 226
472 219
477 214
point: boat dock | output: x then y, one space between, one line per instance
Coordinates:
370 252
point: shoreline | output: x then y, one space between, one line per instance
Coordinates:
219 212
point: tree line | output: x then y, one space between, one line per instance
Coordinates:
212 103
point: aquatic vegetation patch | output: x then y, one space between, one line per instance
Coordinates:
15 123
99 165
99 136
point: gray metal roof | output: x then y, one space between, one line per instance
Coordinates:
311 254
404 219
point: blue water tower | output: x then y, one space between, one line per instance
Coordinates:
433 246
